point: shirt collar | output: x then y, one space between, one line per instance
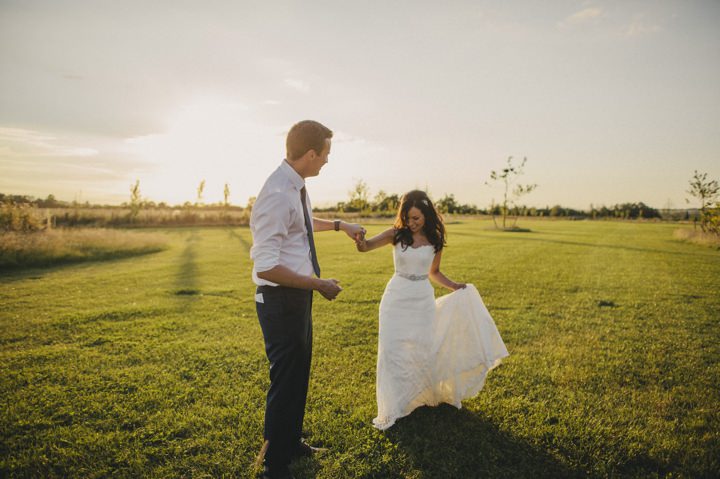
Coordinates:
297 180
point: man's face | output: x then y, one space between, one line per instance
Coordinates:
319 161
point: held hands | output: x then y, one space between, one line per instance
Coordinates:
329 288
360 241
353 230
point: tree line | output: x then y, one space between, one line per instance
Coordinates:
386 204
383 202
17 209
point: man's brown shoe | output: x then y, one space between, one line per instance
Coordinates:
306 450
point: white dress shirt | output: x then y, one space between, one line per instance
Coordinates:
277 225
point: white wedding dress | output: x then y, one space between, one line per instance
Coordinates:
430 351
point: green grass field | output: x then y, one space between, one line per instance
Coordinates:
153 366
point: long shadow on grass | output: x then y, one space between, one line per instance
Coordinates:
445 442
46 263
12 273
595 245
234 235
186 282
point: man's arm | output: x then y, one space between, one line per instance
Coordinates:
437 277
350 229
386 237
270 218
284 276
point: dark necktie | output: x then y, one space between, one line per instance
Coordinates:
308 226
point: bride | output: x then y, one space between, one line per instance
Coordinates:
430 350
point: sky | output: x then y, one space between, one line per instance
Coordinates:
610 102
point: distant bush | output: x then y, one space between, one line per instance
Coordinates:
712 220
21 217
48 247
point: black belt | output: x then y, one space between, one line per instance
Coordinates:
269 289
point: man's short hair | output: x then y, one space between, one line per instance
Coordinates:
305 136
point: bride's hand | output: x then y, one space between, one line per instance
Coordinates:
460 286
360 240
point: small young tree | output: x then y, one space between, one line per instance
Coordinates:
707 192
226 195
200 190
378 201
135 200
358 197
511 193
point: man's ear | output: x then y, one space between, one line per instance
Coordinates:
309 155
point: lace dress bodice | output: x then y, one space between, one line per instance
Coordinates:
413 263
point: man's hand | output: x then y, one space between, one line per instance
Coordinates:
329 288
352 229
360 242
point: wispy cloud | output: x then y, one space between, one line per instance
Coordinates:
298 85
639 24
38 162
581 17
21 142
640 27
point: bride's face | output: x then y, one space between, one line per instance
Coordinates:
415 220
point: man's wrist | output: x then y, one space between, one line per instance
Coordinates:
314 283
337 224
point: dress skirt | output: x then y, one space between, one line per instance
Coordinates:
431 351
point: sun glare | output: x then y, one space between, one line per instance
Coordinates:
210 139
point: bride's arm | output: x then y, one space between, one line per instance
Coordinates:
437 277
377 241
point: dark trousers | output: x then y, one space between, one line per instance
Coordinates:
286 321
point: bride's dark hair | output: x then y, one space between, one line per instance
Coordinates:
434 229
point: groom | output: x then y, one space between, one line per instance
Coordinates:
286 271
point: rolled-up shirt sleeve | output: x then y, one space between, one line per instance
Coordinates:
270 219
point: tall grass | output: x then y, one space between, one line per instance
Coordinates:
149 217
698 237
48 247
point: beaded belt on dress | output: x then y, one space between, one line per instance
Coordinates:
412 277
